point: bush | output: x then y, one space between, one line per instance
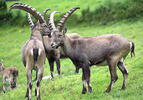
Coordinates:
113 10
3 10
110 10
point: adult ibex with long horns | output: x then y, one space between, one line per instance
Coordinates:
33 51
53 54
110 49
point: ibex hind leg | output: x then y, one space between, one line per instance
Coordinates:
39 78
124 71
113 72
58 66
36 80
86 79
29 85
27 92
76 69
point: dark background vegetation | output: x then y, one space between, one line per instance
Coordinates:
110 10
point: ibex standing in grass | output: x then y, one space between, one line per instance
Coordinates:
11 74
33 52
84 52
52 54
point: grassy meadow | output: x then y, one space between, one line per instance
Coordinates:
68 86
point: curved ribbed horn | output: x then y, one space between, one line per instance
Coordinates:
28 9
51 20
30 20
45 11
65 17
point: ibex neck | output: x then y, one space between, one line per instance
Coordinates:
36 34
68 46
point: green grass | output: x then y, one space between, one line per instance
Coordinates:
69 85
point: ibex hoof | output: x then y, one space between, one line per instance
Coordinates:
123 88
107 91
90 90
3 91
84 91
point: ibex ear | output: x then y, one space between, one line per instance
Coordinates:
38 23
65 30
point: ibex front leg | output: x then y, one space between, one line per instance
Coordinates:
51 63
86 79
58 65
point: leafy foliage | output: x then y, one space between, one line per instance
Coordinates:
112 10
3 11
91 13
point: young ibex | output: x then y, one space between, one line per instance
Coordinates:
84 52
33 52
53 54
11 74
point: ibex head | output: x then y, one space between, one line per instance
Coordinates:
44 28
58 33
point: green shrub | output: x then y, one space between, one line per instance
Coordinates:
3 10
112 10
107 11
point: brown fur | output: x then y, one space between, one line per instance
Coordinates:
53 55
11 74
33 52
33 57
84 52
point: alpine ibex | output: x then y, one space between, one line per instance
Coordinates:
110 49
33 51
11 74
53 54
